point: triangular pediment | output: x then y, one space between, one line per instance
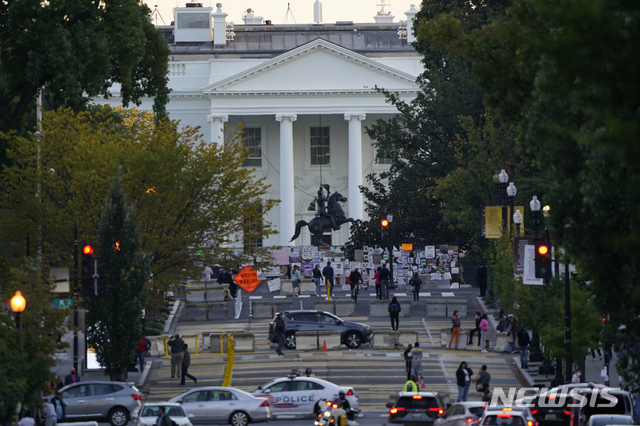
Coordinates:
318 66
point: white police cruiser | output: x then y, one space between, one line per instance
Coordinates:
303 395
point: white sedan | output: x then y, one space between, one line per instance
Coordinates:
147 415
303 395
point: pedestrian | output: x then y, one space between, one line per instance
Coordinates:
411 385
416 363
415 282
309 373
481 277
186 362
163 418
207 273
296 279
176 344
482 380
455 329
26 419
512 330
523 343
327 273
53 385
475 330
279 332
376 281
394 313
317 278
226 278
407 360
463 380
484 328
72 377
355 278
385 276
577 377
60 407
49 412
143 347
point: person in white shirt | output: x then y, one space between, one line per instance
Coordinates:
576 377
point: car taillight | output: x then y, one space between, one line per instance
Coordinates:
471 420
418 397
265 403
439 410
504 415
395 410
136 397
529 423
567 412
534 412
350 392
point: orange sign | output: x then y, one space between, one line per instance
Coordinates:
247 279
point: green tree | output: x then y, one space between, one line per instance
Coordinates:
78 50
114 322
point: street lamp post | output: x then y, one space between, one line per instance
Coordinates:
517 219
390 219
503 177
18 303
511 192
535 205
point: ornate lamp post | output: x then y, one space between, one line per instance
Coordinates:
535 205
511 192
18 303
503 177
517 219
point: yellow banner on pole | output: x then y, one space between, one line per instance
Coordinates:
493 221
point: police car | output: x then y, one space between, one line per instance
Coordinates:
302 395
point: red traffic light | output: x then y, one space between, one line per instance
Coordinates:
87 249
384 223
543 250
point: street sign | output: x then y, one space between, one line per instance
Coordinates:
247 279
60 276
63 303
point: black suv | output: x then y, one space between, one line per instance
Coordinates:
352 334
415 408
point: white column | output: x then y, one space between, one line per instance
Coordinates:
287 205
355 164
217 127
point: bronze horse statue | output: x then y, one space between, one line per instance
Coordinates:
318 225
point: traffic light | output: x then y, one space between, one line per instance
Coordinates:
384 230
88 271
543 259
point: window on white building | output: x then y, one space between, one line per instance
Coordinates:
386 155
194 20
252 140
320 149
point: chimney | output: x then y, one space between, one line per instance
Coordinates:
219 27
411 15
250 18
317 12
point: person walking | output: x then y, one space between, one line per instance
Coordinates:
475 330
376 281
296 279
143 347
407 360
385 276
163 418
207 273
463 380
279 331
455 329
484 329
483 380
327 273
394 313
415 282
523 342
72 377
577 377
49 413
355 278
60 407
176 344
186 362
416 363
512 331
317 278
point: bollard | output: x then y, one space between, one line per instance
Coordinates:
166 347
196 343
328 287
228 370
221 345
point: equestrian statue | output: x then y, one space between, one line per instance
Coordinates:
329 215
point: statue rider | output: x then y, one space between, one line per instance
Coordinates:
321 200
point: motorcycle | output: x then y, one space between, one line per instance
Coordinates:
333 415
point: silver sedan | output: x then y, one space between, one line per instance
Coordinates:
223 405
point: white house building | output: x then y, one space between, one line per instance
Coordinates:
304 94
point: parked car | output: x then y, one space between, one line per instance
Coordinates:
609 419
462 414
147 415
507 416
303 395
100 401
415 408
601 401
352 334
223 405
